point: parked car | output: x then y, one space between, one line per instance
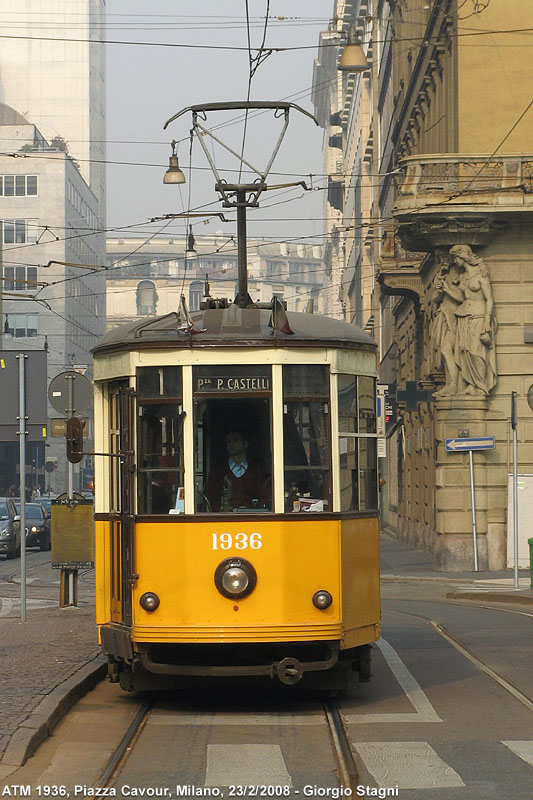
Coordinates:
37 526
9 528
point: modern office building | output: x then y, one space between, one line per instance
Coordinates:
47 224
52 70
52 127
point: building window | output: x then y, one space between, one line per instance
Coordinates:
18 185
196 290
18 279
20 325
146 297
19 231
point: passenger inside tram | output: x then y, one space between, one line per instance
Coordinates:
233 455
237 481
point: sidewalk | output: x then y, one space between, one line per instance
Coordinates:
46 664
400 562
50 661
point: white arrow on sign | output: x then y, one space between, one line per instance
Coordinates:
479 443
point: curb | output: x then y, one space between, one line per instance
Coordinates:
492 596
40 723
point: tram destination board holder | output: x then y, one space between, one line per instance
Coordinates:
72 534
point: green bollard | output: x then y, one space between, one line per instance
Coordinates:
530 563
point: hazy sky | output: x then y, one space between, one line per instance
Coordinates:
147 85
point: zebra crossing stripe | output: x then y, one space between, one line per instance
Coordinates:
522 749
407 765
246 764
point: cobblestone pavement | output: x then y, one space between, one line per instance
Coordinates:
38 655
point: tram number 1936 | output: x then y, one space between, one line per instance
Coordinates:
241 541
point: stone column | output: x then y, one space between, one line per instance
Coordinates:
456 417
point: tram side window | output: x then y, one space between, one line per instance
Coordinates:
306 438
160 440
233 438
357 450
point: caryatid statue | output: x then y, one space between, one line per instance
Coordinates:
464 327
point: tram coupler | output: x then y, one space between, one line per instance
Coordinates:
289 670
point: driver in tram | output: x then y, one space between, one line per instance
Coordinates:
236 482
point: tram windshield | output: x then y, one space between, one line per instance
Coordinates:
233 438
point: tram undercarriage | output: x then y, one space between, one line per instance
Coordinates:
318 665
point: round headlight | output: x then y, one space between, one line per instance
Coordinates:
33 529
322 599
235 578
149 601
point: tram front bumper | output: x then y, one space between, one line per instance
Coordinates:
288 670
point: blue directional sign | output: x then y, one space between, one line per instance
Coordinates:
478 443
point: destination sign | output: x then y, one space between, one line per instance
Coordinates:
233 383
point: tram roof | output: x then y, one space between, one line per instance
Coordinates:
234 326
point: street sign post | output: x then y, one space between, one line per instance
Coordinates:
470 444
514 424
69 393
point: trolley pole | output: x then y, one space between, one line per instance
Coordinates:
22 432
243 299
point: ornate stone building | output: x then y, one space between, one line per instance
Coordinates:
455 274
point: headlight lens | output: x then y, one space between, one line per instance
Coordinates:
34 529
149 601
235 578
322 599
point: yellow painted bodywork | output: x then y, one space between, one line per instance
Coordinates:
177 561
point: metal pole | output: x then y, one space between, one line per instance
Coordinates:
69 577
22 491
243 299
515 485
70 412
473 494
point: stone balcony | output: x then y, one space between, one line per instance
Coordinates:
450 199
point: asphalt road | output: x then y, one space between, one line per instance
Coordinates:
42 584
431 725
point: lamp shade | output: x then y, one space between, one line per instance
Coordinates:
173 173
353 58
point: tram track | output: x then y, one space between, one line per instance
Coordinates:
345 760
468 653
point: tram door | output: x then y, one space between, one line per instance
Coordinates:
121 471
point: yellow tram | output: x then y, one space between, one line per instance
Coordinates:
236 505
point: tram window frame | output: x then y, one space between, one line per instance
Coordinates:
160 397
236 397
306 394
358 462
